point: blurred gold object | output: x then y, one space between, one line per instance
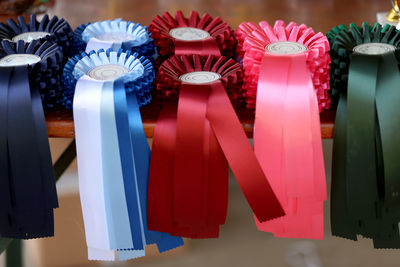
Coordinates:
393 15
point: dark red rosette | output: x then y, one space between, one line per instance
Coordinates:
219 32
168 82
188 183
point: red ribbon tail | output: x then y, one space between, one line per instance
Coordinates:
240 155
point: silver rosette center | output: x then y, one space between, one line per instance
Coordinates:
19 60
107 72
286 48
200 77
29 36
374 48
189 34
115 37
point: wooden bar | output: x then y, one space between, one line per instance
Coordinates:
60 122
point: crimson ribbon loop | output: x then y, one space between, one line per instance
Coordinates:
204 47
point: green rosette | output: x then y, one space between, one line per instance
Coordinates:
365 194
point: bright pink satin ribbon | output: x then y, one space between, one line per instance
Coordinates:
287 142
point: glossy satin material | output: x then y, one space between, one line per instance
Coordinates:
28 189
287 142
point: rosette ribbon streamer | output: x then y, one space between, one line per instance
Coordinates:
287 75
188 187
365 171
53 30
27 186
113 153
114 34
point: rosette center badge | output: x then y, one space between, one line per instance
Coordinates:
286 48
19 60
29 36
107 72
189 34
200 77
374 48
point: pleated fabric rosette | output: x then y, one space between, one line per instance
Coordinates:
197 35
53 30
48 29
27 186
116 33
365 170
286 80
113 153
193 144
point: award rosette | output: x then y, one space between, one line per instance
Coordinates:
114 34
52 30
194 35
113 153
286 80
193 142
48 29
365 184
27 186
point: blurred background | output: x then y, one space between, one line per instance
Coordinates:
240 243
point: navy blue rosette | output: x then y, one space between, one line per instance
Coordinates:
27 186
128 35
48 29
106 90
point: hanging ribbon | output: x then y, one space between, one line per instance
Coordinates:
115 34
52 30
365 76
186 144
28 193
286 73
111 140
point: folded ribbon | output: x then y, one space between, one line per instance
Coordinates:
113 153
188 184
28 193
52 30
286 73
193 35
115 34
365 76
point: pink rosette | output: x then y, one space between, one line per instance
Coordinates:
252 40
287 81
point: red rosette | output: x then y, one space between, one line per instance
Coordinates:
219 33
188 181
168 83
252 40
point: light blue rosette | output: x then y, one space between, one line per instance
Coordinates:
118 33
108 87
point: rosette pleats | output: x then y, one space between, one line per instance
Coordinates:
365 182
288 90
318 60
200 35
113 153
28 193
115 34
188 184
48 29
